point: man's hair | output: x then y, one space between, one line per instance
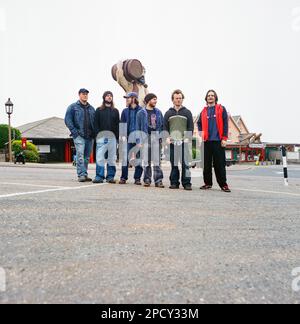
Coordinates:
136 101
214 92
103 106
105 94
177 92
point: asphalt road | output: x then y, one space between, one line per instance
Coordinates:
65 242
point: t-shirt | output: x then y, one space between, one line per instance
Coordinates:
152 122
212 124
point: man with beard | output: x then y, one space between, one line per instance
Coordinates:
107 121
150 125
128 119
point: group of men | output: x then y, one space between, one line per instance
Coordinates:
140 132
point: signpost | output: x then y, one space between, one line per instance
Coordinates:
285 169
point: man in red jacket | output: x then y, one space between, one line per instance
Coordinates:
213 127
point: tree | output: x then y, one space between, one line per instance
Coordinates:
15 135
31 153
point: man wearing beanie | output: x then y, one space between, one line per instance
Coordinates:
178 122
107 121
150 127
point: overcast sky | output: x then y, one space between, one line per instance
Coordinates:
248 51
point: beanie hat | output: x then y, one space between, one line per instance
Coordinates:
106 94
149 97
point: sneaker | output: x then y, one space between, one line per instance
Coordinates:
206 187
122 182
111 181
87 179
138 182
81 179
97 181
174 187
159 185
226 189
188 188
147 184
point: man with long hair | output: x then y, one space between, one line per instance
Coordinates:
128 119
107 121
150 124
213 127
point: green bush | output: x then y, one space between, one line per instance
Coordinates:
196 149
4 135
31 153
31 156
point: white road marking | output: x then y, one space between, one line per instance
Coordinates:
57 189
29 185
269 192
49 190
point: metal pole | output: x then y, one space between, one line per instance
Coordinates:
285 166
9 140
240 153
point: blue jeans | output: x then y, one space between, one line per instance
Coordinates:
106 147
83 152
138 169
154 155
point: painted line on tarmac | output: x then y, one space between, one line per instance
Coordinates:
29 185
269 192
19 194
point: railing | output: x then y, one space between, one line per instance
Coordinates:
4 157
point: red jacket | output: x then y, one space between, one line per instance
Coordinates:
220 123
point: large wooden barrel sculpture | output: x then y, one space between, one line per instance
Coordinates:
114 72
133 70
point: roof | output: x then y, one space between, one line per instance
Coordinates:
281 144
50 128
239 120
234 123
236 118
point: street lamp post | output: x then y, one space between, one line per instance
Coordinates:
9 107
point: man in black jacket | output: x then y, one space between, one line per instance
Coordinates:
107 120
177 122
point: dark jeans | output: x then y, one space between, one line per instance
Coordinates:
100 172
214 155
180 154
138 169
157 171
